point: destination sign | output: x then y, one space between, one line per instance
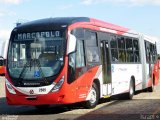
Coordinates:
33 35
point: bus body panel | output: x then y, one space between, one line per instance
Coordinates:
122 74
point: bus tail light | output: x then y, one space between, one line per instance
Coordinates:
58 85
9 87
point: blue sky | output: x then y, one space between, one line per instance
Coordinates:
140 15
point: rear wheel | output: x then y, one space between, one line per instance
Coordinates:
131 92
151 89
94 97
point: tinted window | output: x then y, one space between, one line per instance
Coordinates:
78 33
129 50
80 62
121 49
150 52
136 50
114 50
92 47
124 49
121 42
91 39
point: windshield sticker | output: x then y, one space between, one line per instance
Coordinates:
37 74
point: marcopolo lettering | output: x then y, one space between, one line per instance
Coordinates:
48 34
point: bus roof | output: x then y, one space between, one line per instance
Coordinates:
151 39
53 23
50 23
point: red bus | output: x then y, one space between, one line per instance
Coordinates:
77 59
2 66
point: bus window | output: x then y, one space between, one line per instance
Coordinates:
92 48
114 51
129 50
78 33
121 48
92 54
22 51
80 62
122 55
71 68
91 39
136 50
154 53
147 51
15 51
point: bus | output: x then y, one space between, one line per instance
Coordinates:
3 47
2 65
67 60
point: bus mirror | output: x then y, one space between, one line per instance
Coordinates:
71 46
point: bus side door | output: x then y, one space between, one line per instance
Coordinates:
106 67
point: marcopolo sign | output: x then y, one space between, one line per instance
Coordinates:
33 35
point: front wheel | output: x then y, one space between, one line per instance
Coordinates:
94 97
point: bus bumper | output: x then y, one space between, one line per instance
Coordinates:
47 99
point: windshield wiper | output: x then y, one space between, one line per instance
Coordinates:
24 68
30 64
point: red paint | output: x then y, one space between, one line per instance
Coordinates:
97 24
2 70
156 73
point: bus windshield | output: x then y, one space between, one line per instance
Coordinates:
36 55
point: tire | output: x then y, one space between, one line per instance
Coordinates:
41 107
151 89
94 98
131 92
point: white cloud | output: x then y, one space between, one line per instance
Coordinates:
88 2
16 2
4 34
124 2
66 7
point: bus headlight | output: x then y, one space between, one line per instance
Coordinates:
58 85
9 87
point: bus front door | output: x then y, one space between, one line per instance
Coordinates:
106 68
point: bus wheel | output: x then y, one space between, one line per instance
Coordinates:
131 92
41 107
94 97
151 89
